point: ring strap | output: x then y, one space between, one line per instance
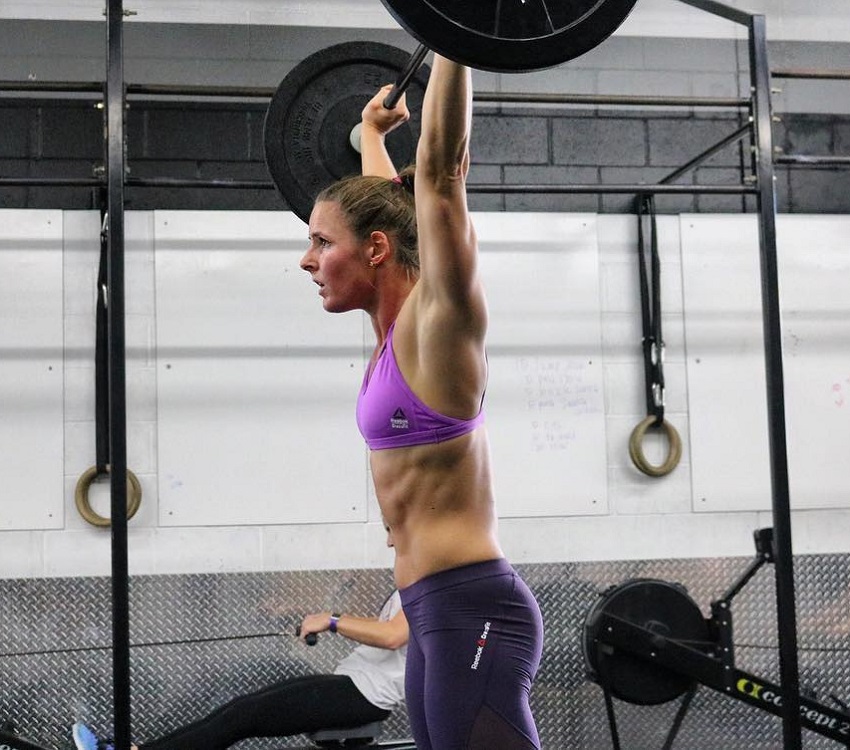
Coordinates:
101 400
101 354
650 305
652 345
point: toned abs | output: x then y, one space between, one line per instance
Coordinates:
438 501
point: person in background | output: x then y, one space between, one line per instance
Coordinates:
366 686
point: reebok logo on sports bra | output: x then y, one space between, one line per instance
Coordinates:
390 415
399 421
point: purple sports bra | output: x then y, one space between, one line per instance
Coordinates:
390 415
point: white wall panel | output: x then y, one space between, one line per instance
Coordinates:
726 382
544 404
814 267
256 383
31 416
726 372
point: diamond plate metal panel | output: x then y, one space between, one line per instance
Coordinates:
199 640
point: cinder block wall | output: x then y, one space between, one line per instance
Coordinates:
512 145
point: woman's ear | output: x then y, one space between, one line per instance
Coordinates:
381 250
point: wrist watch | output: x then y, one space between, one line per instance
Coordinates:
334 620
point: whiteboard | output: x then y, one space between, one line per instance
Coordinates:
31 377
545 408
255 382
726 371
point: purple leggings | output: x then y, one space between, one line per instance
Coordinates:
475 641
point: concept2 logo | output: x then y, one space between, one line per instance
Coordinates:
773 697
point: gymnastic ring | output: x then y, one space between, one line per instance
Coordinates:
636 447
81 496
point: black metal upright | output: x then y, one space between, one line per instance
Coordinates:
784 557
115 101
781 497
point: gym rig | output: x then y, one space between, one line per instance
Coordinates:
687 649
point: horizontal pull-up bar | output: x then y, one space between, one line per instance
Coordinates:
814 160
823 74
261 93
169 182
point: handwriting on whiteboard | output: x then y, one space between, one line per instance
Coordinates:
841 392
556 393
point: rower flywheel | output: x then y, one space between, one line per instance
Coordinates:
660 607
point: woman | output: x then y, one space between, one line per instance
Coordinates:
364 688
476 631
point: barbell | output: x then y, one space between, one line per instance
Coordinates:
310 136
